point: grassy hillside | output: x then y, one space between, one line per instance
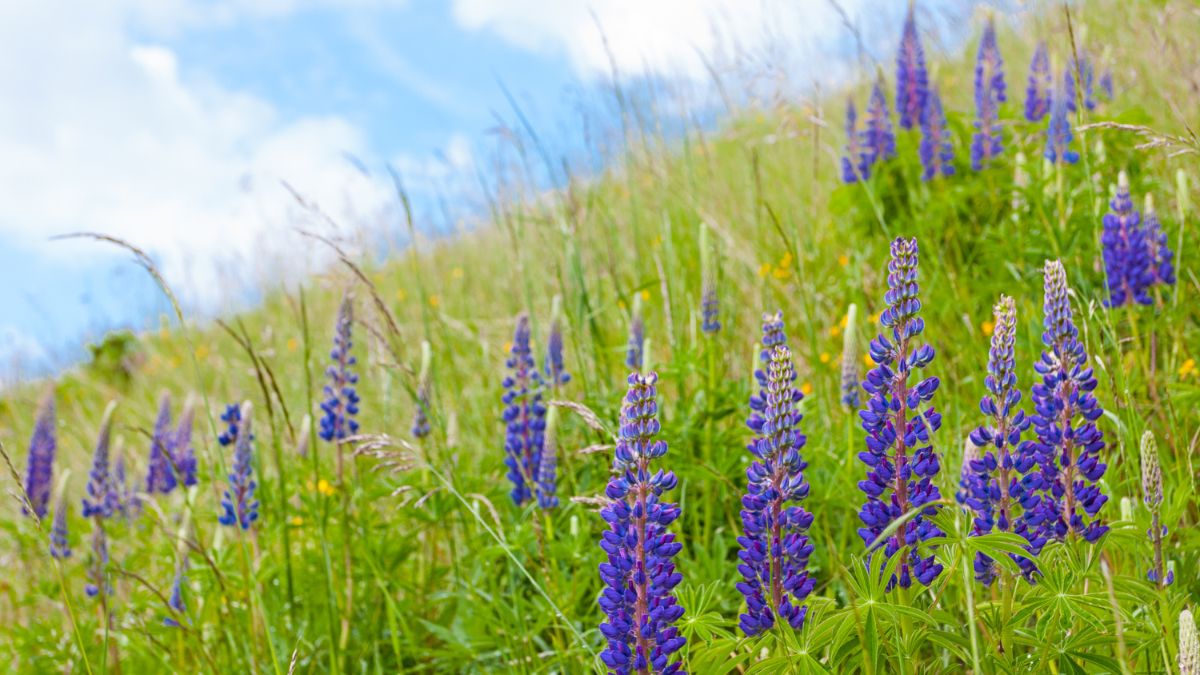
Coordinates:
444 574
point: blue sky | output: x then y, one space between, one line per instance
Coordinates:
172 123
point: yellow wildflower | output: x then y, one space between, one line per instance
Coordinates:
201 352
843 260
764 269
845 320
782 273
988 327
824 357
400 294
645 296
806 388
868 361
293 344
835 331
297 521
786 260
435 301
325 488
1188 368
457 272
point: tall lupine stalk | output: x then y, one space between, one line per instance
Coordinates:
935 150
1066 411
634 356
1126 252
341 398
420 424
39 473
855 161
1058 132
183 455
710 304
103 494
850 374
774 545
1162 259
998 490
60 545
773 336
160 476
900 460
1152 495
97 574
640 576
1039 91
546 483
989 94
239 505
1189 645
1088 73
175 601
553 366
878 139
912 80
524 416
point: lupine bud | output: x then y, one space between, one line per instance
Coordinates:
1152 487
103 497
1126 253
912 80
40 470
183 455
710 306
1088 74
60 546
775 546
1065 412
98 565
1162 265
850 387
160 476
1058 132
524 416
634 358
1189 645
341 398
1039 90
989 94
966 474
420 425
175 602
639 576
935 150
855 164
241 508
547 472
878 140
898 481
553 368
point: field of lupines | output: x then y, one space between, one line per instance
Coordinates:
920 396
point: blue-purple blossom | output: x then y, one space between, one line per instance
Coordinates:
1039 91
1058 133
1106 84
103 496
1162 259
710 307
998 491
966 474
850 376
900 460
60 546
1088 74
420 425
912 81
547 470
774 545
97 573
1152 495
855 161
524 416
183 455
1126 251
989 94
773 336
1065 412
936 151
878 139
175 602
40 471
341 399
232 417
639 576
634 358
160 476
129 504
240 506
553 366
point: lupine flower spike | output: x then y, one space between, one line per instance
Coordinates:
772 336
900 460
103 496
160 476
639 576
341 397
1126 253
547 470
1162 259
1038 93
966 472
912 80
553 367
1058 132
524 416
1087 73
420 425
232 417
175 602
40 471
989 94
239 504
774 544
937 154
1189 645
183 455
850 386
60 546
1152 495
98 566
710 306
878 140
1069 443
634 356
855 164
998 491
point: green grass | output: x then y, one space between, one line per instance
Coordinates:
448 576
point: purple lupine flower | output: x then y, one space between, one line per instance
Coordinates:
639 576
524 415
60 546
1065 412
1088 74
710 307
1106 84
547 470
241 508
634 358
850 376
160 476
997 489
129 504
175 602
937 154
912 81
989 94
40 471
966 474
1126 252
98 566
1058 132
1039 92
103 496
183 455
774 545
900 460
772 337
878 140
1152 495
855 165
420 425
341 399
232 417
553 366
1162 259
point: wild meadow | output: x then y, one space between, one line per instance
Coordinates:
899 378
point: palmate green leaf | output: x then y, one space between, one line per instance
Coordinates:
721 656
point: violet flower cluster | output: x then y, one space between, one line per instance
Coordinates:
1038 92
1087 73
935 150
855 165
1058 132
710 307
878 139
774 545
160 475
524 416
900 460
60 546
98 566
103 494
639 576
912 80
175 601
1065 412
989 94
240 506
1152 495
1162 259
1126 251
39 473
341 397
553 366
183 455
